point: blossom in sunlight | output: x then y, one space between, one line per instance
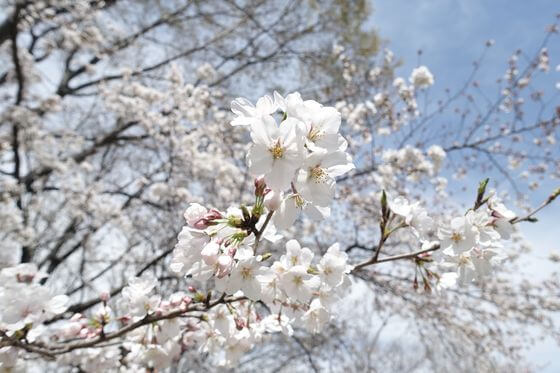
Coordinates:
316 317
298 284
333 266
276 152
245 277
460 235
437 154
292 206
248 114
136 299
296 255
320 123
414 215
502 217
421 77
316 179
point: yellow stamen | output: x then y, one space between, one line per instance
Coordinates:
456 237
314 134
277 150
318 174
246 273
299 201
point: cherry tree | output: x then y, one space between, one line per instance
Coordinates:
159 213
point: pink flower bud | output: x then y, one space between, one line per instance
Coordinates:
239 324
104 296
194 213
207 219
260 186
201 224
26 278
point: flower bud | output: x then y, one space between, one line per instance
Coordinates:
194 213
104 296
260 186
207 219
239 324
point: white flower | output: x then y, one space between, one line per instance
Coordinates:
480 219
235 347
483 261
460 235
9 360
316 180
24 304
421 77
206 72
156 357
135 296
222 321
223 265
321 123
210 253
465 269
247 114
276 152
167 330
500 209
437 154
275 323
296 255
446 281
298 284
333 266
269 283
292 205
188 250
244 277
414 215
503 216
503 227
316 317
272 200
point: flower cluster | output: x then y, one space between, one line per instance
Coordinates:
470 244
421 77
295 289
295 162
299 156
25 302
467 247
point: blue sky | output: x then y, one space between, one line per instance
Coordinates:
452 34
